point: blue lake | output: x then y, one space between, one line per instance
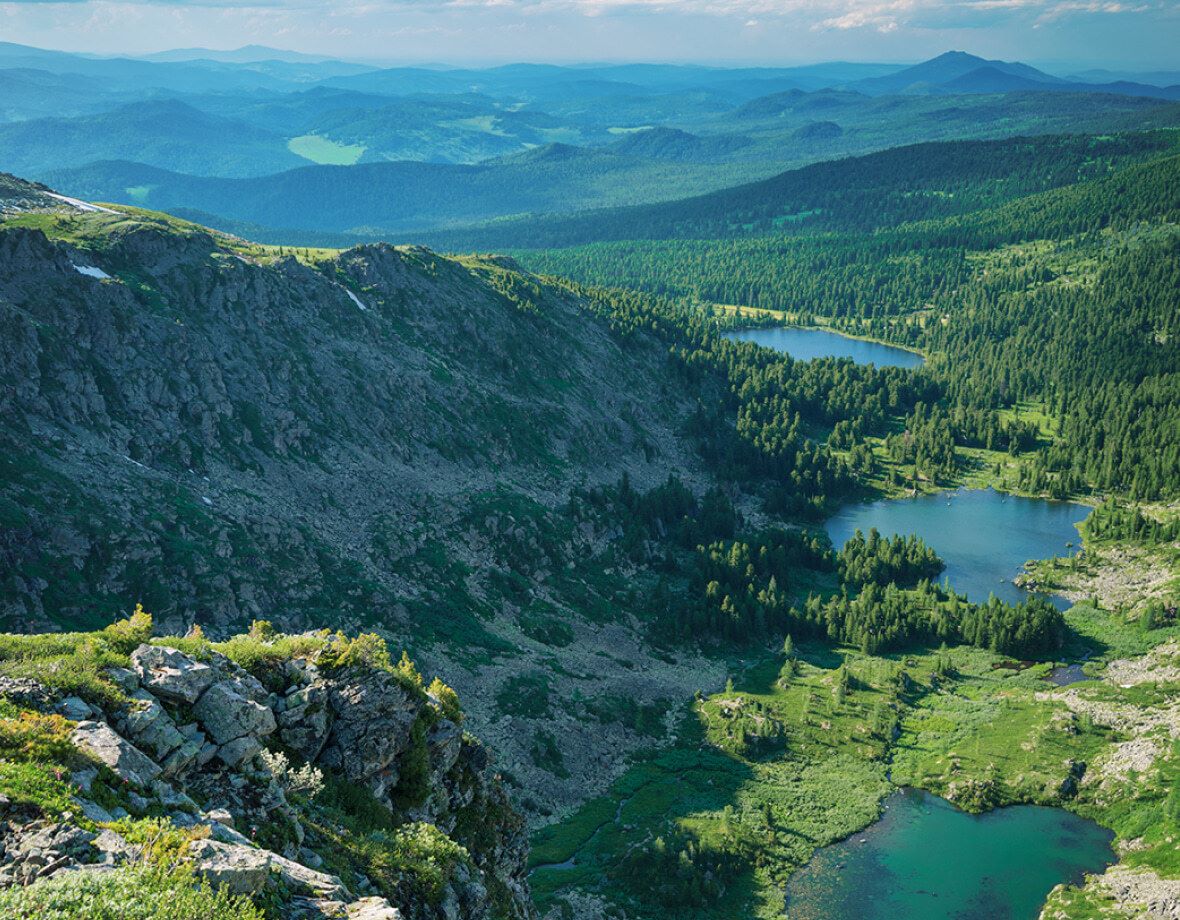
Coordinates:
983 536
805 344
926 860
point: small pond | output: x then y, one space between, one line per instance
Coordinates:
983 536
805 344
927 860
1065 674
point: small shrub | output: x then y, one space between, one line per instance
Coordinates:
125 636
305 782
37 784
161 843
405 667
448 700
32 737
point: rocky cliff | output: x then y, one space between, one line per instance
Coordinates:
375 439
321 781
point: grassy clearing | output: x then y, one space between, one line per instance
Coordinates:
324 151
792 757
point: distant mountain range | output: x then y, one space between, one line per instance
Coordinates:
162 132
228 133
957 72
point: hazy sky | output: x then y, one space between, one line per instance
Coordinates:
1116 33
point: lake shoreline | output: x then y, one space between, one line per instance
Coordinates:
787 321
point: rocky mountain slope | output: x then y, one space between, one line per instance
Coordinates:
376 438
323 782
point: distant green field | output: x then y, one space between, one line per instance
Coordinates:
323 151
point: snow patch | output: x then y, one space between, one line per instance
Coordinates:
81 205
90 271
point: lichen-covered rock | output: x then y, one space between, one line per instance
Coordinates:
40 849
170 674
227 714
372 717
248 870
373 909
444 743
147 724
256 828
75 709
239 750
241 869
102 742
304 720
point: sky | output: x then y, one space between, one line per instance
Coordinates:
1118 34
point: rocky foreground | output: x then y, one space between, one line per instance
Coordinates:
321 781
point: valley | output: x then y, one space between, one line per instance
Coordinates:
589 492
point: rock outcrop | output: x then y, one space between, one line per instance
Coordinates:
189 741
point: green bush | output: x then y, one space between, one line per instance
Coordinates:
130 893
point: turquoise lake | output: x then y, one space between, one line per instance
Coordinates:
926 860
805 344
983 536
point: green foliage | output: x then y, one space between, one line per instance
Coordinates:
124 636
127 893
861 194
1063 297
413 781
678 872
74 663
39 784
645 718
160 842
410 862
524 695
448 700
547 755
667 513
742 726
878 619
33 737
546 628
740 590
897 560
1114 521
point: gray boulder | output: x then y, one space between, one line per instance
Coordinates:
170 674
75 709
373 909
246 870
372 717
239 750
227 715
149 726
444 742
241 869
304 720
101 741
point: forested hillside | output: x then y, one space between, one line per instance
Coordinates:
1064 298
880 190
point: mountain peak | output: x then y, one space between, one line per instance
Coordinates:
928 76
